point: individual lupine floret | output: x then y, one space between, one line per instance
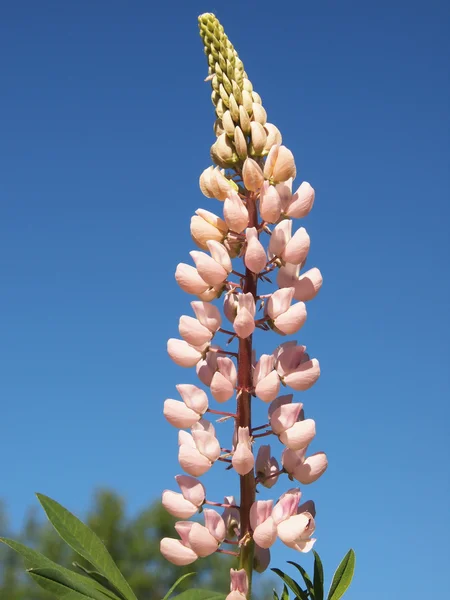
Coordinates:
243 459
293 529
290 248
295 367
183 354
201 330
306 286
238 585
273 136
280 164
213 269
224 380
262 523
185 414
206 226
178 552
252 175
230 306
198 451
266 379
255 257
266 467
235 213
287 422
214 184
191 499
304 469
189 280
299 204
269 203
284 318
244 322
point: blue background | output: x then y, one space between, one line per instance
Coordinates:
106 126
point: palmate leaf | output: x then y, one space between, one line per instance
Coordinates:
38 562
86 543
343 576
199 595
306 578
318 577
176 584
293 585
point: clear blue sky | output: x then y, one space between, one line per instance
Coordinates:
106 125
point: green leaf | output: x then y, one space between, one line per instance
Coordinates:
275 595
176 584
101 580
85 543
58 590
199 595
38 561
318 577
343 576
306 578
293 585
285 593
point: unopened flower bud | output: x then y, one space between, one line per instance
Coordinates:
223 153
235 213
240 143
247 102
206 226
280 164
269 203
273 136
258 138
243 459
244 120
228 124
259 113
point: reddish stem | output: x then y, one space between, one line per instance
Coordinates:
258 435
230 552
220 412
261 427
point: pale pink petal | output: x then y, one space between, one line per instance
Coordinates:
230 306
299 435
312 468
179 415
280 401
186 438
269 203
177 505
293 529
204 425
292 320
228 369
220 254
243 460
304 376
201 541
209 269
252 175
189 279
215 524
207 444
291 459
267 389
285 417
221 388
280 238
192 461
260 511
286 506
279 302
308 285
239 581
194 397
284 167
207 367
296 249
176 553
265 534
192 489
284 190
208 314
193 332
270 161
263 367
255 257
302 201
182 353
235 213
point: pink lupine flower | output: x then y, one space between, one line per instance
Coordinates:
252 175
285 416
207 314
206 226
301 202
201 541
214 184
280 164
284 190
244 323
238 586
208 267
235 213
285 319
266 465
306 286
305 470
189 279
224 379
208 366
215 524
186 413
197 451
266 379
291 248
262 523
299 435
296 532
187 503
204 425
230 306
243 459
269 203
231 517
255 257
286 506
182 353
273 136
294 366
193 332
176 552
307 506
261 559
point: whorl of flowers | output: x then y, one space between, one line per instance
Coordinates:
252 176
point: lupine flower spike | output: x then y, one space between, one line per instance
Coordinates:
254 234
